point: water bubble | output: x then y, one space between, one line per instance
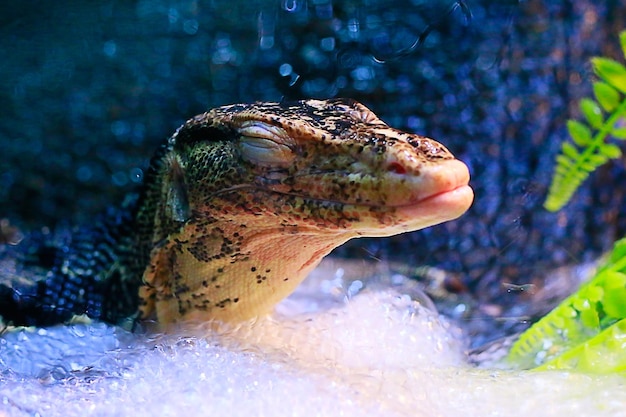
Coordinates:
289 5
120 128
191 26
109 48
327 44
84 173
362 73
353 25
119 178
294 79
266 42
173 15
355 287
136 175
285 69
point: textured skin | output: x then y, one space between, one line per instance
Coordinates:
238 206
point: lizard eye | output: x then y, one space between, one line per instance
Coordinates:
265 145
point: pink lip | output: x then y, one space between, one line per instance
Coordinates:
441 207
446 196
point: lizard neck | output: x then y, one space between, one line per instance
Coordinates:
225 271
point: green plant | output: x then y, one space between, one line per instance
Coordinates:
587 331
562 339
603 119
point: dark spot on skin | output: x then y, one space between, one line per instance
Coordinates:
181 290
222 304
253 269
235 300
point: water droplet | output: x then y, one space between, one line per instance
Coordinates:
173 15
120 128
109 48
353 25
84 173
266 42
119 178
285 69
191 26
294 79
327 44
136 175
290 5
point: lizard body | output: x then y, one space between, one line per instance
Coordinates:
237 207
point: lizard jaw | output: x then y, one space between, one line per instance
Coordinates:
446 197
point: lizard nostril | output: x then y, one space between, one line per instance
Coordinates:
396 168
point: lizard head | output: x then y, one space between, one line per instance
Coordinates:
321 166
259 193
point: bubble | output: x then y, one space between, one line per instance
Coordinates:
119 178
191 26
363 73
120 128
327 44
136 175
353 25
266 42
285 69
173 15
84 173
109 48
289 5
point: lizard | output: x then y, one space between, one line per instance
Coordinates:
236 208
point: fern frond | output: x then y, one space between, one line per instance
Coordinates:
602 117
580 320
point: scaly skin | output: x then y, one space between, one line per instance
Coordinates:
242 202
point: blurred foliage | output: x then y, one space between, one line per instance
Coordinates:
604 118
586 331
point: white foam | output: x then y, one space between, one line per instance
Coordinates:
330 350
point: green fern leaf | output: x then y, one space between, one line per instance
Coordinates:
570 150
619 133
607 96
610 150
581 135
610 71
598 159
574 165
589 149
592 112
600 354
580 320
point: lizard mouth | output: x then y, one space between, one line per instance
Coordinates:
441 195
435 209
446 192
